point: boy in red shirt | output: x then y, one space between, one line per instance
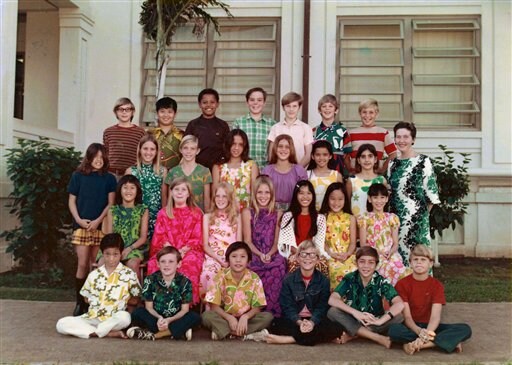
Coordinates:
424 298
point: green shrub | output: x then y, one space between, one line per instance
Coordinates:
40 174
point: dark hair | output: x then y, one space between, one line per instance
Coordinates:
367 147
367 251
331 164
167 250
238 245
208 91
128 179
296 209
85 166
112 240
324 209
375 190
253 90
405 125
291 97
166 103
230 139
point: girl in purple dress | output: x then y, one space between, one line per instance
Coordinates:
260 231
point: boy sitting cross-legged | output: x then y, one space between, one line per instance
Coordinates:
108 290
167 296
423 298
236 297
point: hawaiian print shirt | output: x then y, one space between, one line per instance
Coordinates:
167 300
169 146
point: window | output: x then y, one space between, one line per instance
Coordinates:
245 55
419 69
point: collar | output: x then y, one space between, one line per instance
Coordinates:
118 268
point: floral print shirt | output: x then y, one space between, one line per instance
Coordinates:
167 299
240 178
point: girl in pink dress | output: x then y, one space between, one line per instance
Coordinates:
379 229
179 225
221 227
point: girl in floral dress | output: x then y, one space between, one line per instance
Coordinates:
221 227
151 178
340 234
260 228
179 225
239 171
379 230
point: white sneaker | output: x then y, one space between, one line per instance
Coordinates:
139 333
188 334
214 336
259 336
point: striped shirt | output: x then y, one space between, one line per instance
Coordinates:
257 132
377 136
121 144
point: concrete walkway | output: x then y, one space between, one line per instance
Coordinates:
27 335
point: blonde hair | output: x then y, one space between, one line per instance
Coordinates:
231 209
421 250
148 137
190 138
328 98
290 97
263 180
123 101
190 199
369 103
307 244
273 155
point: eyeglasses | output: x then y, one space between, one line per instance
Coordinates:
124 110
310 255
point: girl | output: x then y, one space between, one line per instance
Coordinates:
179 225
340 239
221 227
129 218
367 164
199 176
379 230
260 223
321 174
151 176
300 223
239 171
284 170
91 193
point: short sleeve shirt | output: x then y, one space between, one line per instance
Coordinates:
169 144
198 179
300 132
337 135
257 133
167 300
369 298
236 298
377 136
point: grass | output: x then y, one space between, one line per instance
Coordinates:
465 279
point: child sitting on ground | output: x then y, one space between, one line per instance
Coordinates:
108 290
423 298
236 298
167 295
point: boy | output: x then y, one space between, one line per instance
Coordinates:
357 301
423 298
304 305
108 290
369 132
300 132
167 295
167 134
334 133
121 140
210 130
256 125
236 297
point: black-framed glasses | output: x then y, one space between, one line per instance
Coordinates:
124 109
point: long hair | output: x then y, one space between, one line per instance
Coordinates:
230 139
273 155
263 180
148 137
322 144
85 166
296 209
170 201
375 190
232 207
366 147
128 179
325 209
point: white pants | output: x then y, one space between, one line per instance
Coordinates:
84 327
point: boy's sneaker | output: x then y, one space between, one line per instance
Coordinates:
214 336
140 334
257 336
188 334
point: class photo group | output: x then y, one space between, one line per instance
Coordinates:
263 231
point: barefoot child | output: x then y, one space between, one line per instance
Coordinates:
423 298
303 299
167 295
356 303
108 290
236 298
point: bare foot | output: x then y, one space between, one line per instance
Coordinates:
385 341
345 337
458 348
117 334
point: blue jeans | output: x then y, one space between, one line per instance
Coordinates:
142 318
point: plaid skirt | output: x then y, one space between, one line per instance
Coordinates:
84 237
